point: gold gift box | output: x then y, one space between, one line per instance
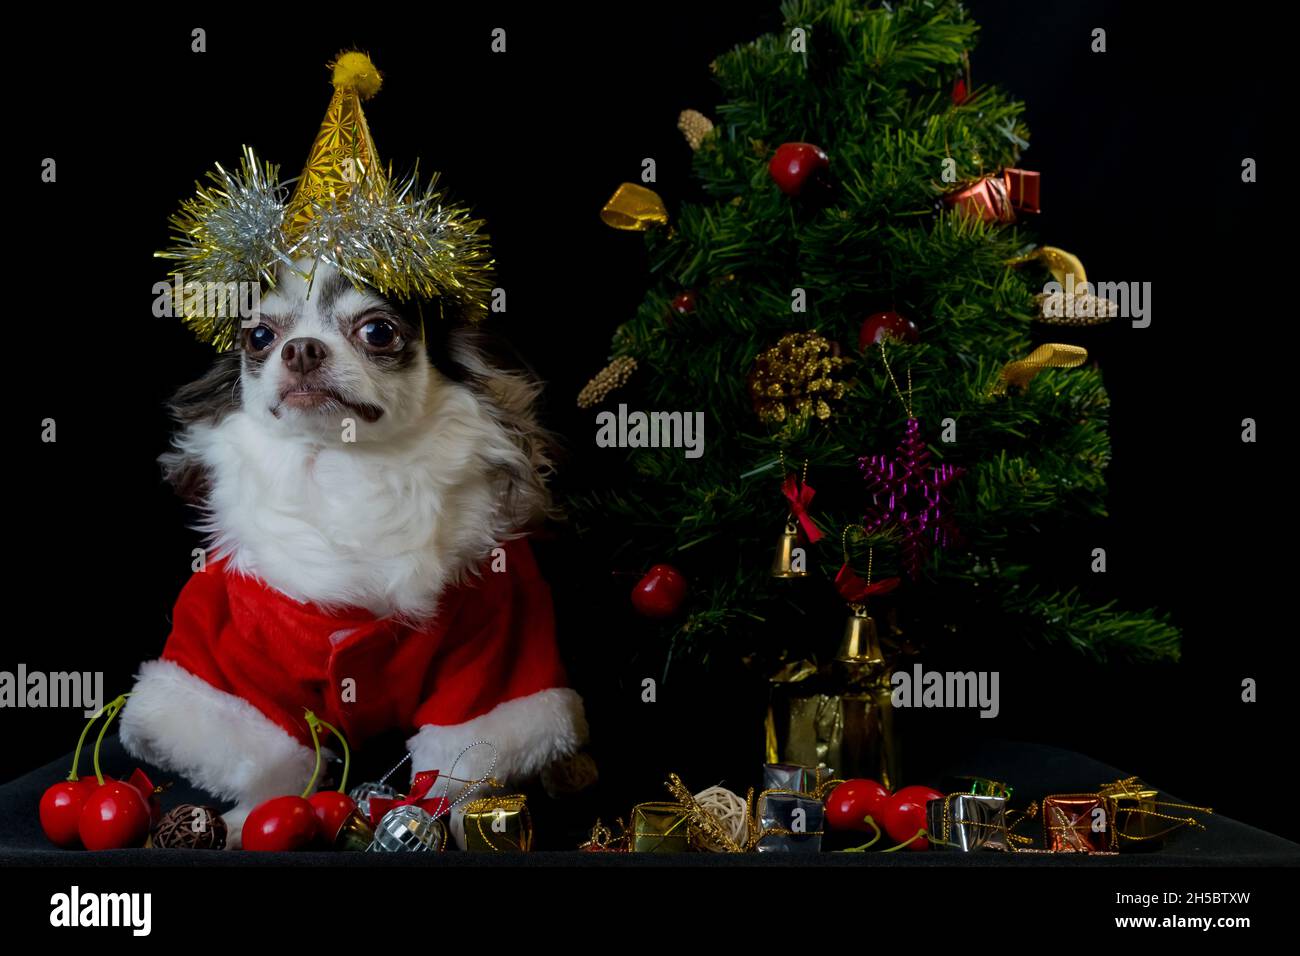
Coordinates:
659 828
1134 821
498 825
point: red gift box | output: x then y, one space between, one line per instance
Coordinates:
1022 189
986 199
1075 823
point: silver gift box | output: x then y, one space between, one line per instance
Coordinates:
963 821
804 816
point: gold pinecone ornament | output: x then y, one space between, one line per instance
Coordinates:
798 378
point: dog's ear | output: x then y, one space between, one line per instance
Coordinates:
205 401
439 319
511 392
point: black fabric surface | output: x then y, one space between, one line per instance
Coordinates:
1033 769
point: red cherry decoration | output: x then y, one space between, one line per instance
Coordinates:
959 91
882 325
660 593
113 817
332 808
294 823
63 804
849 804
683 303
60 810
794 165
904 813
280 824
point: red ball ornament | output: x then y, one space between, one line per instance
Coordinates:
660 593
684 303
904 813
332 808
279 824
61 810
882 325
794 165
113 817
849 804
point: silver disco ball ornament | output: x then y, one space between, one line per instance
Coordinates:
409 828
362 793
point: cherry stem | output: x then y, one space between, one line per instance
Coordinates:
110 711
870 843
347 754
919 834
81 741
312 723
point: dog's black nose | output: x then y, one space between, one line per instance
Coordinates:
303 354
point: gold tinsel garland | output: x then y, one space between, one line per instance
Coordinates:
612 376
797 378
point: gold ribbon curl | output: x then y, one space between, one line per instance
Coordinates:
1022 371
634 208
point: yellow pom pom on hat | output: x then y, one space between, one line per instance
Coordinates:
343 156
353 70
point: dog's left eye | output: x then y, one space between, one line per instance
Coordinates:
378 334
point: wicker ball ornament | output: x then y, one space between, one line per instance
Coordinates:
189 827
729 810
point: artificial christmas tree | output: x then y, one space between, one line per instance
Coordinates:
1003 440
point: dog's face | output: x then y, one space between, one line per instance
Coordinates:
318 355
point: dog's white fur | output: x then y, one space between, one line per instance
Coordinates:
384 522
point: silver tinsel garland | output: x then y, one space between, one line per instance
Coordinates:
402 240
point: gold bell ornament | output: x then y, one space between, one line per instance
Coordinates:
787 564
861 641
790 561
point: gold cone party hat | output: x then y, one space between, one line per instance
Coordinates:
343 157
403 238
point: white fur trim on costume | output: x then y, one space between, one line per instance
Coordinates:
528 733
219 742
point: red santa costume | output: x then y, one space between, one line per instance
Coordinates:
244 660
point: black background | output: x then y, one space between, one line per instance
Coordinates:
1140 150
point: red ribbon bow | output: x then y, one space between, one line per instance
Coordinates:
800 495
854 588
420 787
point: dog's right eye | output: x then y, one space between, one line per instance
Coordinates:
260 339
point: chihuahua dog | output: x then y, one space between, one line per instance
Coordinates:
365 480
